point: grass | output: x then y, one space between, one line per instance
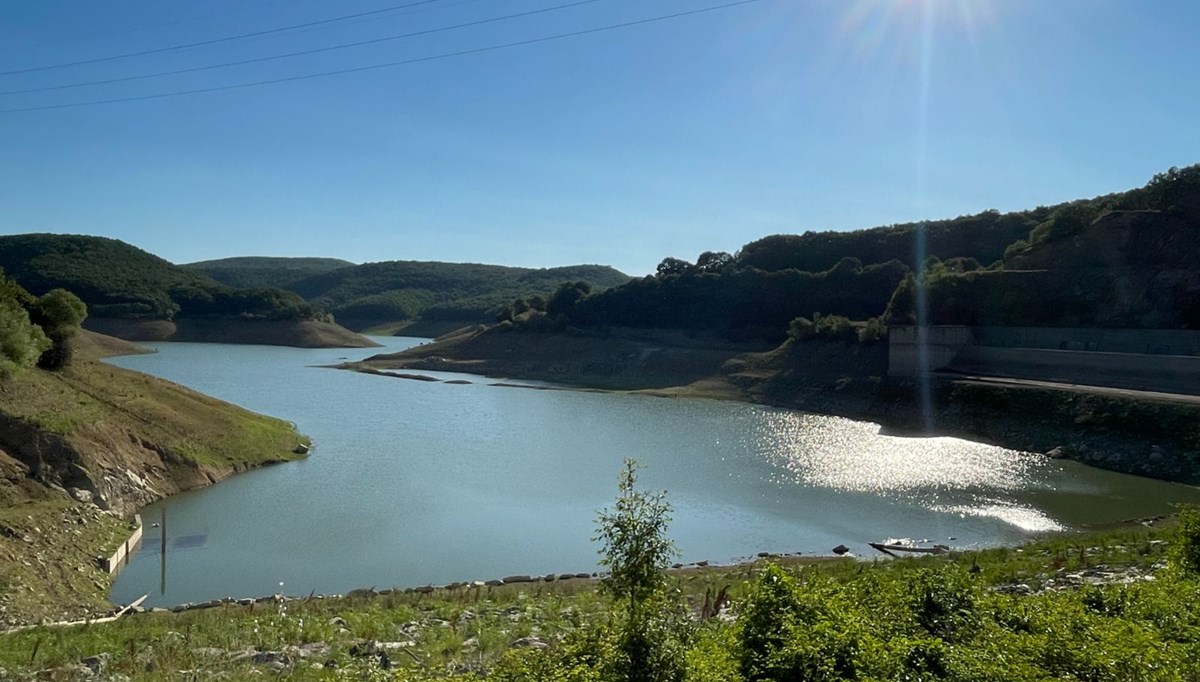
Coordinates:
471 631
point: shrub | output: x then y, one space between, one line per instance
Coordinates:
636 551
1186 552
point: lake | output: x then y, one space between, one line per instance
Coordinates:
411 482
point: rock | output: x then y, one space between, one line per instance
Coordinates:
763 555
300 449
96 663
529 643
84 496
273 658
309 649
337 621
372 649
494 583
702 564
1057 453
519 579
840 550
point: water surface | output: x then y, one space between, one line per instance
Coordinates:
416 482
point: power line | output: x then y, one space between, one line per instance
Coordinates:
214 41
371 67
301 53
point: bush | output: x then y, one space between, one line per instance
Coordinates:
60 314
823 328
636 551
1187 541
766 624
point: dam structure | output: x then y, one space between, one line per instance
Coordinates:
1162 360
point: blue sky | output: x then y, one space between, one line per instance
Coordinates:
621 147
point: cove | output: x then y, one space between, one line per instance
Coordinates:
416 482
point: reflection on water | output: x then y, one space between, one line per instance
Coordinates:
416 482
1024 517
849 455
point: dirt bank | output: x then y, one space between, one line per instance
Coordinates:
297 333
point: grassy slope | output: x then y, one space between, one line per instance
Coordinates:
109 421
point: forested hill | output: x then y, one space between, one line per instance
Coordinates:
249 272
392 291
120 281
1130 259
117 280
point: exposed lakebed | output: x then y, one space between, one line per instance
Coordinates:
416 482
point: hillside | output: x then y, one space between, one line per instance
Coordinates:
256 272
394 291
81 449
120 282
1119 260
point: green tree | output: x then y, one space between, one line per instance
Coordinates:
60 314
636 551
673 266
566 297
21 341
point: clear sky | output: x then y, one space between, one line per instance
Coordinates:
701 132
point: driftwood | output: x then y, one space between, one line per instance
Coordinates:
87 621
889 549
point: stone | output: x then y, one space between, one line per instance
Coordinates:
272 658
529 643
1057 453
372 649
519 579
840 550
96 663
84 496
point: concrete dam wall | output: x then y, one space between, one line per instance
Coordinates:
1142 359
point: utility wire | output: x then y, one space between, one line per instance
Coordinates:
301 53
371 67
214 41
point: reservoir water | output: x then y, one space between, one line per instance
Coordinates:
414 482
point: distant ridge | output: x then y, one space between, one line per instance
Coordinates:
250 272
131 288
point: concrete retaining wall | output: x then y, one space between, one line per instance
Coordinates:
120 558
1143 359
1168 373
1133 341
942 344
